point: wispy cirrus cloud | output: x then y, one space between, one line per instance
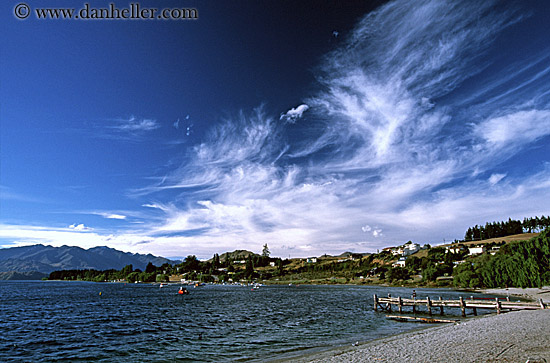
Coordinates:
294 113
134 124
403 141
380 146
126 129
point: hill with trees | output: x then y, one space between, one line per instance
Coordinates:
502 229
519 264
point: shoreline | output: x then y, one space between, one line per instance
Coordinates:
517 336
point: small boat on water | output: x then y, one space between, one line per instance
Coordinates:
163 284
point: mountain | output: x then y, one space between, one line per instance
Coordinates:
12 275
45 259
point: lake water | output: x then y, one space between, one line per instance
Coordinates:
81 321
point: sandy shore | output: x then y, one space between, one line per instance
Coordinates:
521 336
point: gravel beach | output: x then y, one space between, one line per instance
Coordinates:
529 293
518 336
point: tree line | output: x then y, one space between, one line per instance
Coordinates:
191 268
507 228
519 264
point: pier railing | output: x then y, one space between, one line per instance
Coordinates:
386 303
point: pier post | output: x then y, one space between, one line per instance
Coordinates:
441 306
542 304
463 307
400 304
389 303
375 302
499 307
429 304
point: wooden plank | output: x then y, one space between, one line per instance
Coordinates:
420 319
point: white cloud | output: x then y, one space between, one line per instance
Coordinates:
294 114
134 124
377 233
515 128
80 227
495 178
108 215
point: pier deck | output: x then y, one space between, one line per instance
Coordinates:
386 303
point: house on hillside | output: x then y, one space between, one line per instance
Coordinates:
455 249
410 248
477 250
311 260
397 251
399 263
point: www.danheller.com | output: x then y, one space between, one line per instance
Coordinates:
134 11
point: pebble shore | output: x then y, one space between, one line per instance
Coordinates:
519 336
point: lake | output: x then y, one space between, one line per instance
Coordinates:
115 322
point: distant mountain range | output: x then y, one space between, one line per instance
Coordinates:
18 262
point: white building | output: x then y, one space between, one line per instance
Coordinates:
478 250
399 263
455 249
410 248
397 251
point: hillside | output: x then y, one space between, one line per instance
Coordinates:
45 259
12 275
506 240
236 255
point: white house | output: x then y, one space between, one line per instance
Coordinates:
397 251
410 248
478 250
399 263
455 249
311 260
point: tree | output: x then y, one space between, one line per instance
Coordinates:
150 268
249 269
191 263
126 270
216 261
265 251
280 268
161 278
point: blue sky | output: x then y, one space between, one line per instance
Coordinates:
312 127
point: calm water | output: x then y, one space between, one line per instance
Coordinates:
52 321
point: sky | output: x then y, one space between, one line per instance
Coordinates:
313 127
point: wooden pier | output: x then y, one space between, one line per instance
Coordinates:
386 303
